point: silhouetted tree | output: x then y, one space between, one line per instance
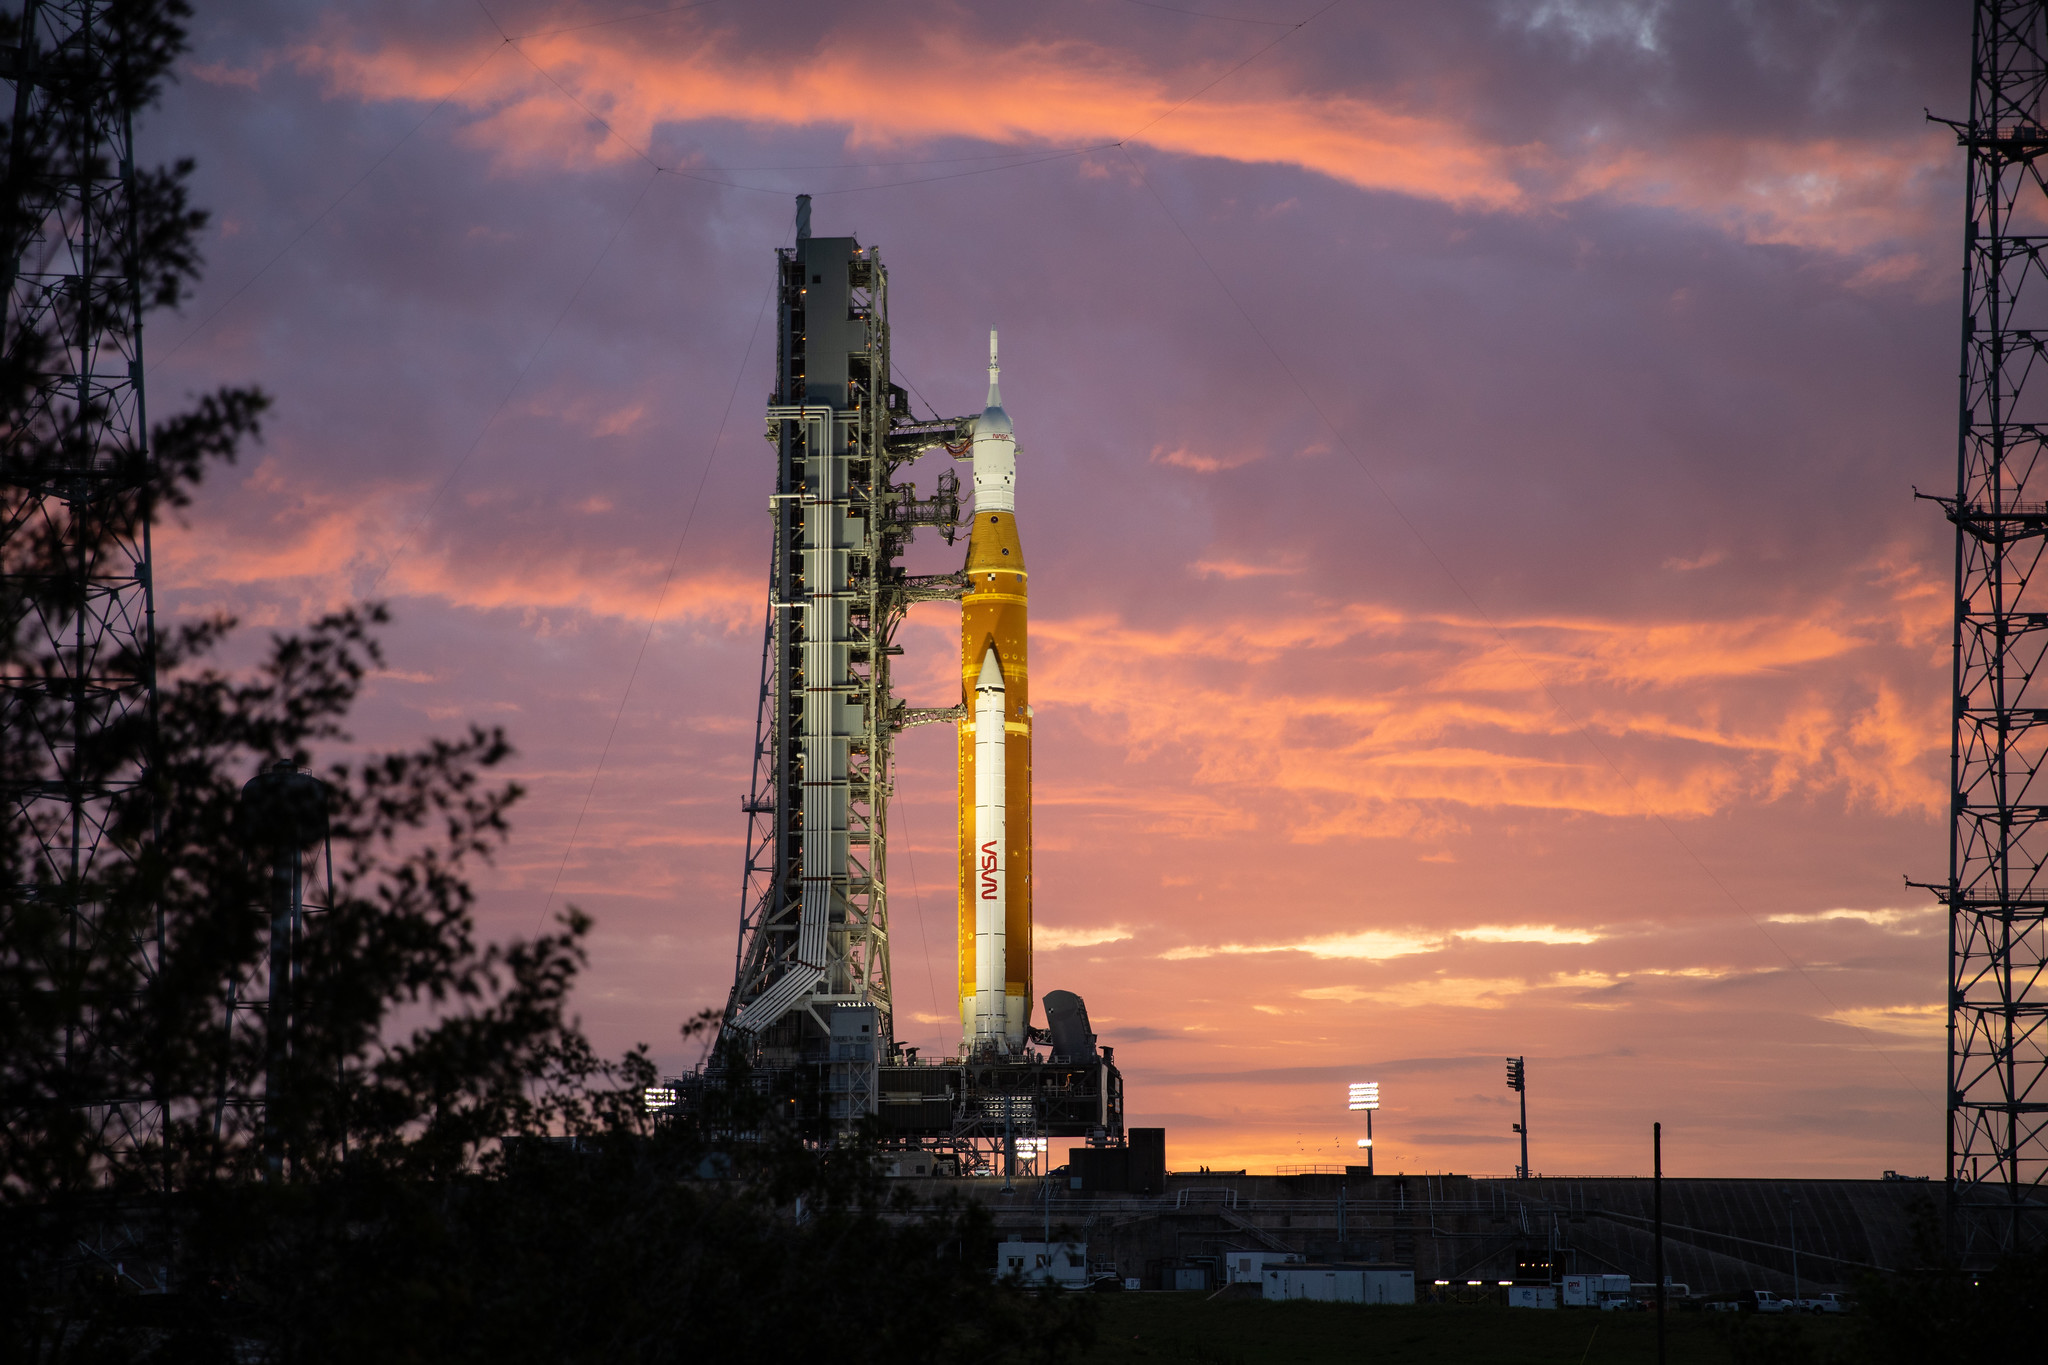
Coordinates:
442 1167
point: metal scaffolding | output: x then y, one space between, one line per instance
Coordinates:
814 930
75 517
1997 888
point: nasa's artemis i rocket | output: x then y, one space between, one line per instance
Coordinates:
995 751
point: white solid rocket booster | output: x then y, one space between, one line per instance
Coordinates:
991 836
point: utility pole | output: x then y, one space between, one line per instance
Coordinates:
1657 1213
1518 1082
1792 1216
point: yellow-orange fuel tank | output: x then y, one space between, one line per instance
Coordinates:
993 613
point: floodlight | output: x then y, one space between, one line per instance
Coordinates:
1504 1281
659 1097
1365 1094
1441 1281
1477 1282
1365 1142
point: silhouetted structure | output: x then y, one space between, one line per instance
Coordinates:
1996 893
814 931
74 476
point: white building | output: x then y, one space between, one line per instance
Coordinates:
1339 1284
1249 1267
1061 1263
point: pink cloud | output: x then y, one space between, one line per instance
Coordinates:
1850 196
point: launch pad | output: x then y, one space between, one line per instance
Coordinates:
807 1034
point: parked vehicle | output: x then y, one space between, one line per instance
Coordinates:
1767 1302
1825 1303
1608 1292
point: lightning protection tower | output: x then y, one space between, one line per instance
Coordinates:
1997 888
813 970
74 524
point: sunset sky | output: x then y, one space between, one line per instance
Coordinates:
1466 464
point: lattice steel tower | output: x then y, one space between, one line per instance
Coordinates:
814 931
73 475
1997 889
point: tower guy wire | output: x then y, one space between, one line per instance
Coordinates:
426 509
317 219
661 600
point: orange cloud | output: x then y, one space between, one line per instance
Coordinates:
329 546
1358 720
923 84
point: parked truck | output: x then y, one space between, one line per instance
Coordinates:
1609 1292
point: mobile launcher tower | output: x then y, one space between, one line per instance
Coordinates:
809 1021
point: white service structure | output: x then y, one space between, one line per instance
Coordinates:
1057 1263
1249 1267
1339 1284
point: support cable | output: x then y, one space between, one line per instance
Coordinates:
511 389
917 898
661 600
321 217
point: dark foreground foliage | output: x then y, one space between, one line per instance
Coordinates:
438 1167
1931 1310
618 1249
1936 1310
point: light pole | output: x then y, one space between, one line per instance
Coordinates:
1792 1216
1518 1082
1657 1213
1365 1095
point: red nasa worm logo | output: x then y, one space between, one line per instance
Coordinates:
988 868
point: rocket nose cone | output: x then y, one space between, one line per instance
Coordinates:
991 671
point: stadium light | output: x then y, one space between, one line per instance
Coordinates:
1518 1081
1365 1096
